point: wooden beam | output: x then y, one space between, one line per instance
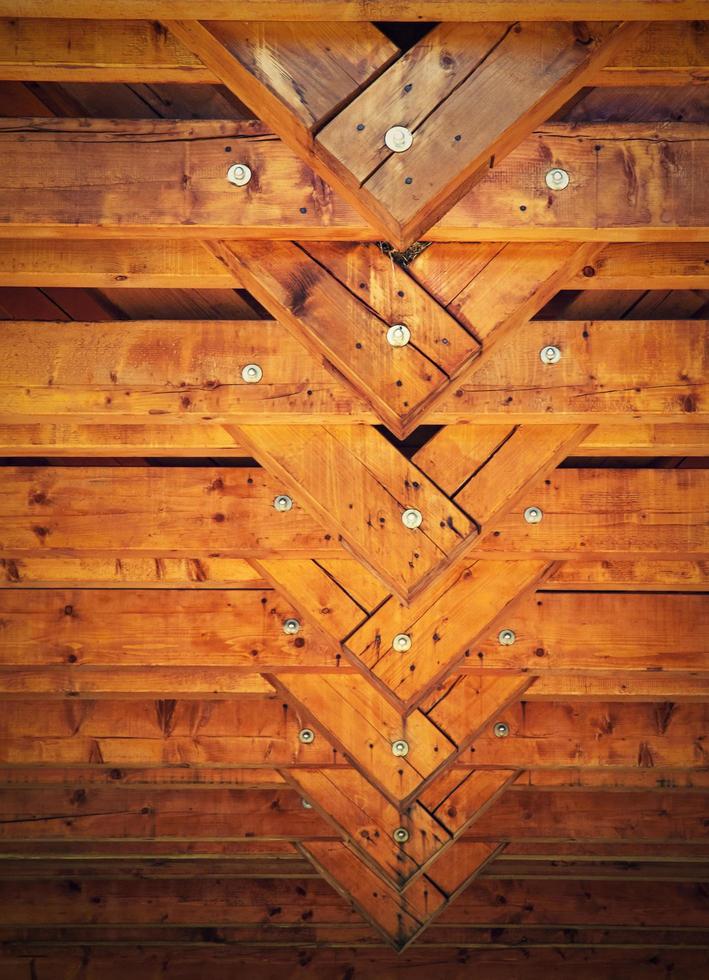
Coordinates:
608 369
180 263
355 10
607 199
173 512
139 51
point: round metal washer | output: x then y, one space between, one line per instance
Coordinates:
306 736
398 335
306 805
556 179
401 835
282 503
550 355
501 729
238 174
506 637
400 747
533 515
251 374
291 626
412 518
398 139
401 642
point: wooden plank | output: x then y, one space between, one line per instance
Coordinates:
605 687
451 148
103 812
129 682
576 632
670 54
129 573
349 335
556 735
597 205
72 440
242 629
615 503
577 815
632 576
360 486
353 10
96 51
112 264
171 512
446 268
608 369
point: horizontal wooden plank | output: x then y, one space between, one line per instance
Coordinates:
99 373
574 632
181 263
95 51
355 10
130 573
182 512
612 195
242 629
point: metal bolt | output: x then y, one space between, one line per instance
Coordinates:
306 736
282 502
401 642
533 515
401 835
251 374
557 179
412 518
550 355
238 174
291 626
306 805
507 637
501 729
398 335
400 747
398 139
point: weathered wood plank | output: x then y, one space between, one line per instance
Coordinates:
621 192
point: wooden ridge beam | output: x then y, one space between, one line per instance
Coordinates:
609 369
288 201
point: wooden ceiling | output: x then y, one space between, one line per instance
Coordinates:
323 655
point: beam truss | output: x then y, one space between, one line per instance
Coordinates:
497 640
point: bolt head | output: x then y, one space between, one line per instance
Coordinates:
251 374
291 626
401 642
557 179
306 736
412 518
238 174
398 335
501 729
306 805
550 355
533 515
282 502
507 637
401 835
400 747
398 139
